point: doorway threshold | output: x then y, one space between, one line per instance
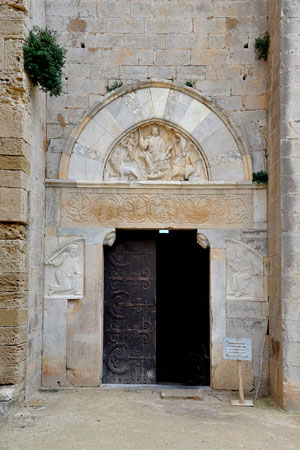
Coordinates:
152 387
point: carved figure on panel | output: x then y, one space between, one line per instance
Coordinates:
155 152
244 268
242 272
64 277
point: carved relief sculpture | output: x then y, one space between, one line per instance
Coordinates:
244 269
128 208
202 240
64 270
155 152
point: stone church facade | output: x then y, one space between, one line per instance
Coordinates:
157 153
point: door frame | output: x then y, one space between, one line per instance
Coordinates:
110 239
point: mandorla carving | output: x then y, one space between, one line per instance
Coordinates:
155 152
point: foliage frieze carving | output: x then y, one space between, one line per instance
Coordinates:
164 208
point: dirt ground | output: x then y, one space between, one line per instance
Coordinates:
99 419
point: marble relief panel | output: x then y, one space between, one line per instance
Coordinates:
155 152
64 270
244 272
125 207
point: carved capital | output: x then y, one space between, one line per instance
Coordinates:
110 238
202 240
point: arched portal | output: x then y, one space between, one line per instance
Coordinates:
149 156
194 119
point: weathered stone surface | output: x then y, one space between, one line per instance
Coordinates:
83 322
14 179
177 394
12 300
13 256
12 335
13 282
12 363
54 343
13 317
14 122
13 205
12 231
77 25
14 147
14 163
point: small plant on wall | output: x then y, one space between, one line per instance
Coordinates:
44 59
115 85
190 83
262 46
260 177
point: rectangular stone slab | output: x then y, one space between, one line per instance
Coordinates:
172 207
183 394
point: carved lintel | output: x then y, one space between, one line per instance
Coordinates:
64 270
202 240
115 209
110 238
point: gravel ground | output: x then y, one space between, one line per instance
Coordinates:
99 419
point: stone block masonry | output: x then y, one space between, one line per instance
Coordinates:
208 42
285 357
14 187
22 134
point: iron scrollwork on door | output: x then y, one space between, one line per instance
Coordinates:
129 316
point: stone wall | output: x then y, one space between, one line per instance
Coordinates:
274 200
20 156
208 43
37 224
290 204
284 210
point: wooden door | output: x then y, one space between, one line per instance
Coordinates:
129 309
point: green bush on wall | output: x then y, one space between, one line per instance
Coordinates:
260 177
44 59
261 46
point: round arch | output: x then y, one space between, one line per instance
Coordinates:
181 107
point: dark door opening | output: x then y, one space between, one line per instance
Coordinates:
182 310
156 309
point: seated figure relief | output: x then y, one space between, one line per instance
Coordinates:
64 275
155 152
